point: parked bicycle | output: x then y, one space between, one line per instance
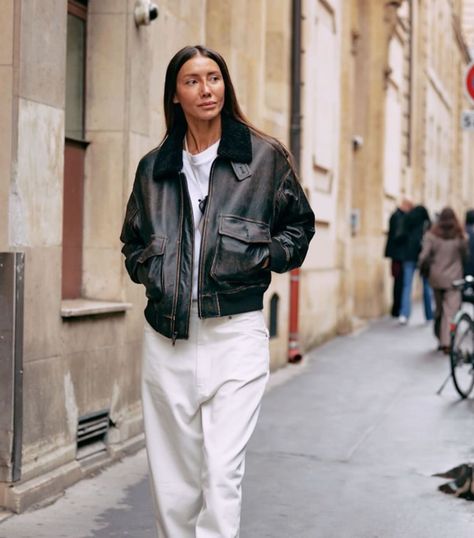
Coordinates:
462 340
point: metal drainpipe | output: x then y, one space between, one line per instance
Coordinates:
294 354
410 84
12 268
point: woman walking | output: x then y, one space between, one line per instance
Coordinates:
444 251
214 209
415 223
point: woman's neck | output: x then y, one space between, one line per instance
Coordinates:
201 135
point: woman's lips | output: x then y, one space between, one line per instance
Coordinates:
207 104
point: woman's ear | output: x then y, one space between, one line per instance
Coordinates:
175 99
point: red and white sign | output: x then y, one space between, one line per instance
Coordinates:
469 81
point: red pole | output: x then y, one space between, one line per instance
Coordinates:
294 353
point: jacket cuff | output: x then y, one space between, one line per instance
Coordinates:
278 260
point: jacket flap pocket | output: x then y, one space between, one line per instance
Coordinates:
249 231
155 248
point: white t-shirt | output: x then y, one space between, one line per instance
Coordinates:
197 169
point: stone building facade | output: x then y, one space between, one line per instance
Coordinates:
80 103
402 96
467 19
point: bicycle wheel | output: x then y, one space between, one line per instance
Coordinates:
462 355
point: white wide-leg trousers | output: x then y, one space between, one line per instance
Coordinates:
201 400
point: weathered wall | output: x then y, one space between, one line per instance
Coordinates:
323 272
374 26
7 23
35 222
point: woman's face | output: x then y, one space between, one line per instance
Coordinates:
200 89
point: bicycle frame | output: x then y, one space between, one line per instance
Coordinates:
458 357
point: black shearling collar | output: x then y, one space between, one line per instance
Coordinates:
235 145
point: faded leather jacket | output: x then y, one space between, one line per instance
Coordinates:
257 220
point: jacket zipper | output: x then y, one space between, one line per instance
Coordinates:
186 193
174 333
203 239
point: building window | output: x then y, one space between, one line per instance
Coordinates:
74 150
75 71
325 79
273 325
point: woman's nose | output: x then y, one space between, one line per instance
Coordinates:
205 89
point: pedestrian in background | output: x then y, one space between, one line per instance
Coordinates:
394 250
469 266
445 248
214 209
414 225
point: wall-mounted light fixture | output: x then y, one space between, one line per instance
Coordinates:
145 12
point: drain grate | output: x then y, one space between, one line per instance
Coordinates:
92 432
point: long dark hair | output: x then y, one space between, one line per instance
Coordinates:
174 115
448 226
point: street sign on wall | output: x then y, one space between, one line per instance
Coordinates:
467 120
469 81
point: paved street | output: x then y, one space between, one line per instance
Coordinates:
345 447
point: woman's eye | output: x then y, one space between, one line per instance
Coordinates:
190 82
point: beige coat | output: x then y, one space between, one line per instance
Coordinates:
447 256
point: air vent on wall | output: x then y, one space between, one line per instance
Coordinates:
92 433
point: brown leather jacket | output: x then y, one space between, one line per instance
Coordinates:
257 220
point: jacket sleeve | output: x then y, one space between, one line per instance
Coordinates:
426 250
133 245
293 226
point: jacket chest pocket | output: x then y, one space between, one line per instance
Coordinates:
150 268
242 249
